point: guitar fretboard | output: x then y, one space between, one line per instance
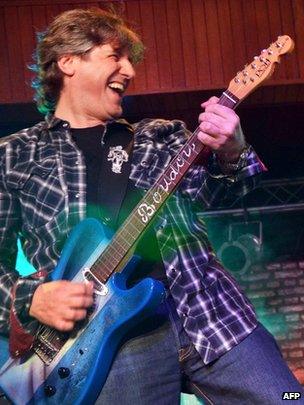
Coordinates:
49 341
141 216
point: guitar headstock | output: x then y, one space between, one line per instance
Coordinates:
261 68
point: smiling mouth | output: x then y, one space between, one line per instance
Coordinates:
117 87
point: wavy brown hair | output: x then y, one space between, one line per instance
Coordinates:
76 32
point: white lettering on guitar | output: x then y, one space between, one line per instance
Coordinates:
146 210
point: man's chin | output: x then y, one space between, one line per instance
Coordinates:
116 114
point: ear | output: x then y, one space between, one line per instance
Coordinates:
66 64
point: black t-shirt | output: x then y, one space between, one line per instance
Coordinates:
110 196
106 173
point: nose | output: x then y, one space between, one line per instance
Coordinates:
126 68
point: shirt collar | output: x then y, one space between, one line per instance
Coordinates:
52 122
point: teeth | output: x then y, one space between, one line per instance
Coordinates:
117 86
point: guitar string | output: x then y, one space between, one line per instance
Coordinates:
50 333
112 251
46 331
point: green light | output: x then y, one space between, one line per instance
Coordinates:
22 265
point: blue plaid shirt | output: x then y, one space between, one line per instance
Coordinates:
43 195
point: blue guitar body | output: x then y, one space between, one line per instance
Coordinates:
78 372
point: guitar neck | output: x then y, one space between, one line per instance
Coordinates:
49 341
129 233
142 215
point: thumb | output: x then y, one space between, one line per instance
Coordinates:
211 100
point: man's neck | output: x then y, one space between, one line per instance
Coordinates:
75 117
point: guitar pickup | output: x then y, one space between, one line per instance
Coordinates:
99 287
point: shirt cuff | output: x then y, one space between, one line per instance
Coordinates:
249 165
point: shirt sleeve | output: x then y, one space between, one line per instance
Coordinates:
15 292
206 182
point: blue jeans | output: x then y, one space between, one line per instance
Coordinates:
154 367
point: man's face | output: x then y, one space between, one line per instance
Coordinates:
100 80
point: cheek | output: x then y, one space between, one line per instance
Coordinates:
92 80
95 92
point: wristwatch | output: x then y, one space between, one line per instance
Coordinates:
242 162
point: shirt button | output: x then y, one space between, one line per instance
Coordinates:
65 125
77 195
77 162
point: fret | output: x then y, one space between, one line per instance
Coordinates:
131 224
118 252
126 238
159 194
132 227
105 277
166 183
126 235
136 222
104 261
101 274
122 243
113 255
101 266
229 100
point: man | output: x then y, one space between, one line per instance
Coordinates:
82 161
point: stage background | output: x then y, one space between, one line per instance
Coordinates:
194 48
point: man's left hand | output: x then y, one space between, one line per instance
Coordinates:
220 130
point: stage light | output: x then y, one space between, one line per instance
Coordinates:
242 250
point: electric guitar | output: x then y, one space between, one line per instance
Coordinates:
71 368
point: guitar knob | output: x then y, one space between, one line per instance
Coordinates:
63 372
49 390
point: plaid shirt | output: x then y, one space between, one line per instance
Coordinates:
43 195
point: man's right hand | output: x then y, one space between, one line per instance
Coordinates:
60 304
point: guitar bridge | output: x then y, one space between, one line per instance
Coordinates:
48 343
45 350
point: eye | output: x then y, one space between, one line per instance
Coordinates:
114 56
